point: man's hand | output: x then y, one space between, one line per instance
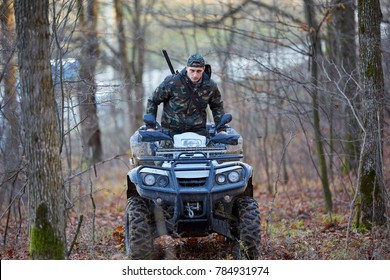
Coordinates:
150 129
222 132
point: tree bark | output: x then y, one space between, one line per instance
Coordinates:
124 68
315 50
138 63
90 130
343 55
45 183
371 185
11 110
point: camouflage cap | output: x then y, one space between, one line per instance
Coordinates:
195 60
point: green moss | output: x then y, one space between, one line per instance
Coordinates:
294 227
360 227
44 242
298 224
366 187
332 219
370 70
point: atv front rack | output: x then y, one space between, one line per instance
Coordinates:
194 154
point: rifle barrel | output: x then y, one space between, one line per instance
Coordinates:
168 61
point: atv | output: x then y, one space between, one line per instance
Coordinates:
190 185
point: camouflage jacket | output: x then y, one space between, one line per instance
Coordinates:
181 112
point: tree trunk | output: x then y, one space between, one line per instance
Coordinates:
371 184
90 130
138 62
343 55
315 48
124 66
11 110
45 183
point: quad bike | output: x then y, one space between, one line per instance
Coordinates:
189 185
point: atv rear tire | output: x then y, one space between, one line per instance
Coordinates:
248 229
138 239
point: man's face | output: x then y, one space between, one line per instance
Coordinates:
194 73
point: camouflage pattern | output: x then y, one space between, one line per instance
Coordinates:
180 114
139 149
234 149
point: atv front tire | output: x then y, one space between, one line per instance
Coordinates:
138 238
248 229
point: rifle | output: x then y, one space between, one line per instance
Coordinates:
168 61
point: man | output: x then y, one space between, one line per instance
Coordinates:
185 96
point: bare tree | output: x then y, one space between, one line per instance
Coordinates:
342 55
90 130
128 57
140 24
371 205
11 155
123 64
45 183
313 28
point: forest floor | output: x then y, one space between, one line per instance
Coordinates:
295 227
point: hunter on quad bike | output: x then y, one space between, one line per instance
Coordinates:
196 187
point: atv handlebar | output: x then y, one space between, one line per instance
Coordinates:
161 134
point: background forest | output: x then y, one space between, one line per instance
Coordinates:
307 83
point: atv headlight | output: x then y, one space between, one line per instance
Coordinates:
191 143
162 181
234 176
149 180
220 179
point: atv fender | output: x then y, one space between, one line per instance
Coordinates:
131 188
249 189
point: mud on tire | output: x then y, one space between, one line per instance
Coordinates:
248 229
138 228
